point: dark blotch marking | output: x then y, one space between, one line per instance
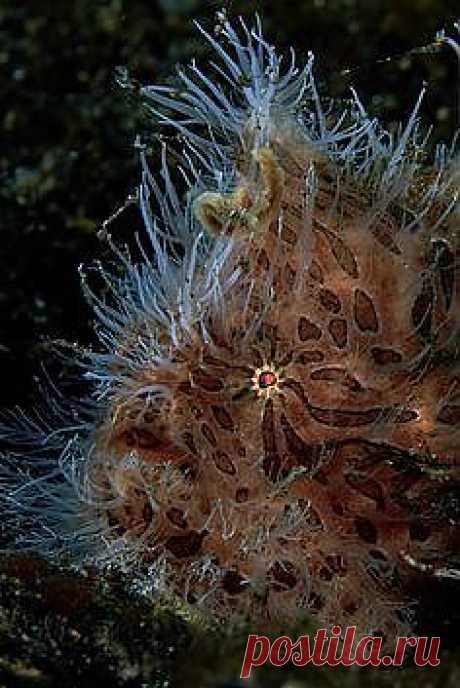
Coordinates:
188 440
329 416
368 487
366 530
342 254
337 508
365 313
115 525
233 583
242 495
296 444
316 272
336 563
129 438
308 330
344 419
330 301
176 516
206 381
316 602
329 374
419 531
335 374
298 390
147 513
444 260
185 387
144 439
385 356
286 359
196 411
241 394
288 235
406 416
349 605
289 276
262 260
422 311
307 357
189 470
338 330
223 418
447 273
208 434
184 546
272 462
450 415
285 575
383 234
325 574
135 515
224 463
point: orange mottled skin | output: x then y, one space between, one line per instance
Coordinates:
287 471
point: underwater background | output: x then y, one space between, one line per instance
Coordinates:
67 164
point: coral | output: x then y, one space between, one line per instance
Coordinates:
272 424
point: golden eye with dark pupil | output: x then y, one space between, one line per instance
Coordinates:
267 379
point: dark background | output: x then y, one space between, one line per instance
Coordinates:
67 160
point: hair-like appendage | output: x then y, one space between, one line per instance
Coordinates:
272 424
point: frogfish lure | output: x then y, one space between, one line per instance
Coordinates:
272 419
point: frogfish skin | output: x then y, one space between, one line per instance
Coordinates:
271 425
